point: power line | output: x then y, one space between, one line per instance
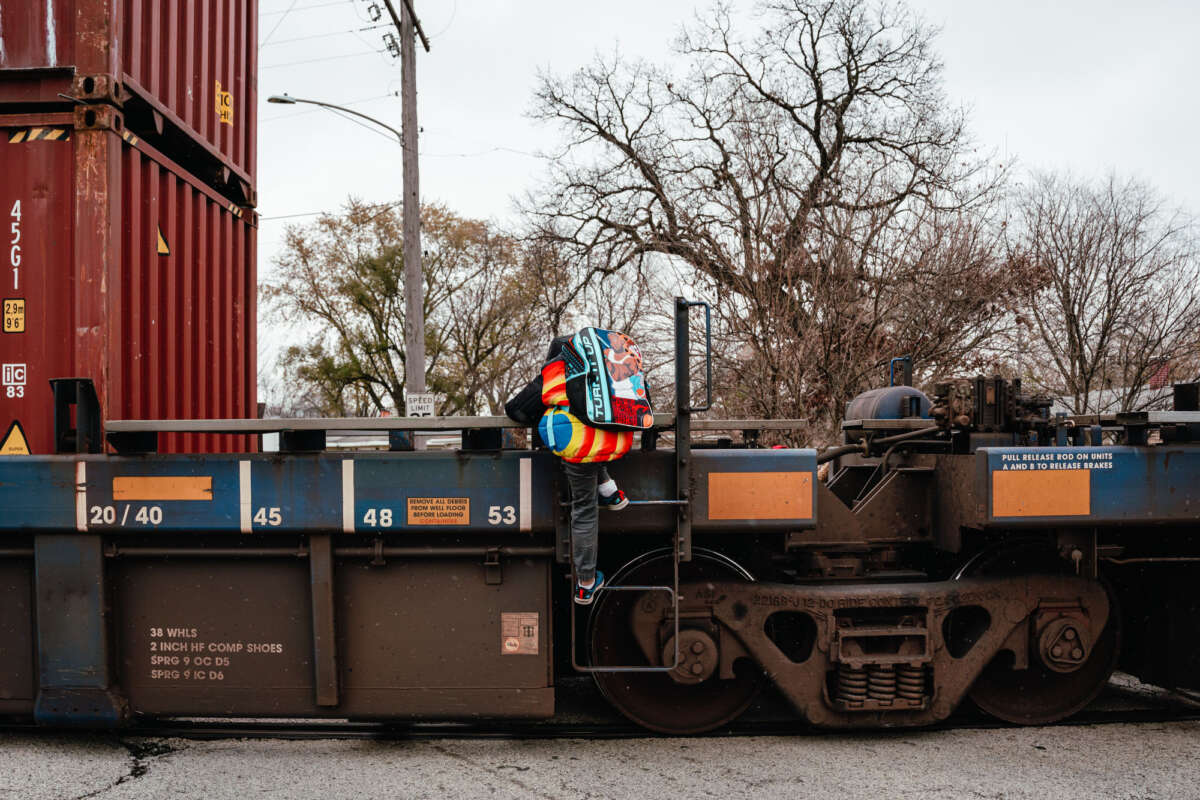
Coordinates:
384 208
302 8
483 153
291 216
277 24
324 35
446 27
363 125
315 60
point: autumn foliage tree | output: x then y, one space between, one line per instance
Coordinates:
339 283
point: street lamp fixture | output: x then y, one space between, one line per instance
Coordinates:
288 100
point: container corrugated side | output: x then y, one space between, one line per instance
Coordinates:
193 61
127 271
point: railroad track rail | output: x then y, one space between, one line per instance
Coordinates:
1119 705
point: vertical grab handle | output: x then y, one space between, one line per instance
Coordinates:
683 420
905 363
682 307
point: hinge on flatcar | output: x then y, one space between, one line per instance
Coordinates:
493 572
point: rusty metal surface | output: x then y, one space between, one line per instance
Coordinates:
896 509
165 327
956 506
174 56
744 610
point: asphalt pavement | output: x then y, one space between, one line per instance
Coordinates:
1149 760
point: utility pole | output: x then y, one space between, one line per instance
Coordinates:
414 290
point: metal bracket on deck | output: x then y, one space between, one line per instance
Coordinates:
86 436
493 572
320 565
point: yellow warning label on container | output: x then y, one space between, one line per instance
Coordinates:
164 249
224 105
519 633
439 511
15 443
14 315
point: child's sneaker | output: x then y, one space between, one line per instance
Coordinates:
614 502
584 595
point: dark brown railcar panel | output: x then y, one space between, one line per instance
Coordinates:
436 624
415 638
187 627
426 704
17 686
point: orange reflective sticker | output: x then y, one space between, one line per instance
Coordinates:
1042 493
760 495
439 511
166 487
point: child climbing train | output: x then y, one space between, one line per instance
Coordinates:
587 402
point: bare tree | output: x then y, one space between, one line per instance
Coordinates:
1114 306
810 175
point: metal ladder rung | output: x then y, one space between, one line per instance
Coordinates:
642 503
666 589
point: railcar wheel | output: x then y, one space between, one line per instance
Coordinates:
695 703
1047 691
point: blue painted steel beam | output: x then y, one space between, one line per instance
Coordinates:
1088 486
430 492
75 681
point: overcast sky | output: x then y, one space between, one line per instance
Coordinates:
1085 85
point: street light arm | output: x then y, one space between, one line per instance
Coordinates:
394 132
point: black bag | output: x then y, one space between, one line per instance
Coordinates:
525 407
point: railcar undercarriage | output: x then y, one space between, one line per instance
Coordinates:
1027 648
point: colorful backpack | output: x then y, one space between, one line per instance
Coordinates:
569 438
598 376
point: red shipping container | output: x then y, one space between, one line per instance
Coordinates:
194 62
122 268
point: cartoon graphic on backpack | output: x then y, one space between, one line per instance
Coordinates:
599 377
